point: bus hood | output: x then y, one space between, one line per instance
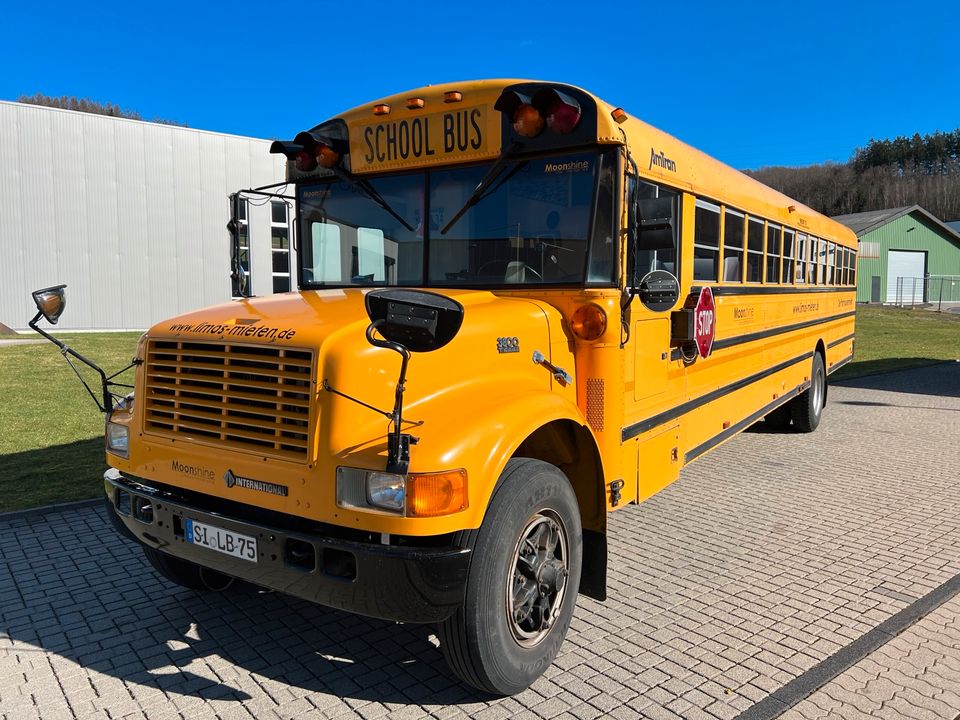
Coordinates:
489 362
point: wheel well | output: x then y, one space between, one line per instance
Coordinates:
570 447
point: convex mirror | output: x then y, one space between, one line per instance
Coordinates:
51 302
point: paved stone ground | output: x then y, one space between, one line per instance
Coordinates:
768 556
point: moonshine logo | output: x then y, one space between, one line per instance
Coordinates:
661 161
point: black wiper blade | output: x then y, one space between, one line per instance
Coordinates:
492 174
371 192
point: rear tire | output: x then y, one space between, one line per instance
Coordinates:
807 408
185 573
522 584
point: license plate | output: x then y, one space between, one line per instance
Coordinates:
221 540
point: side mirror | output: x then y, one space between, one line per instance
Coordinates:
51 302
419 321
654 223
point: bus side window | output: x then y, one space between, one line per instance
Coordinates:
755 232
788 250
773 254
654 259
706 241
733 245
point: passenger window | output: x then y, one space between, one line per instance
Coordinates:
755 250
788 255
803 249
706 241
732 246
773 254
831 263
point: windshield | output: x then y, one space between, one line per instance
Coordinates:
543 221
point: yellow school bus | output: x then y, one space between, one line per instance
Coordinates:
519 310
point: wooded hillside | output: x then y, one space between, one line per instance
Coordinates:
922 170
89 106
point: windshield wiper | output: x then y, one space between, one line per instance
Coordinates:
367 189
492 174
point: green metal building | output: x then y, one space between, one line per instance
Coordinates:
906 257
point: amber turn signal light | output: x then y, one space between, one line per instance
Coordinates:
589 322
527 121
433 494
327 157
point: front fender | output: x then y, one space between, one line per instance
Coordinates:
486 438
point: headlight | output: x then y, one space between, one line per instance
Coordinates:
118 439
386 490
415 495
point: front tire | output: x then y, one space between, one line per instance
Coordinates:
807 408
185 573
522 584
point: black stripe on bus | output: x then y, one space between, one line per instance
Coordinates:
750 337
769 290
635 429
742 425
840 341
747 422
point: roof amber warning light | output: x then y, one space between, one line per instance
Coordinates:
381 109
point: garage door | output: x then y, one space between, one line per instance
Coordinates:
905 268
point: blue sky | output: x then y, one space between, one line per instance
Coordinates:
754 84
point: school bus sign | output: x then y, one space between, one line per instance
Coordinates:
464 133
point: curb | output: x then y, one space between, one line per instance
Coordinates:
47 509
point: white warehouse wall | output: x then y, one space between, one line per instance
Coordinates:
130 215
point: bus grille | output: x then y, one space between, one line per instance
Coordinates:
247 397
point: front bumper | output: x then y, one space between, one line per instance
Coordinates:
406 584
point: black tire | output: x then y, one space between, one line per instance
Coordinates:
502 645
779 419
807 408
185 573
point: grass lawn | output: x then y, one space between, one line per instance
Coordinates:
895 339
51 434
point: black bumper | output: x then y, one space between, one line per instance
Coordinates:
406 584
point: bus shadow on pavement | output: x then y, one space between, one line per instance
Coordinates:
926 377
111 614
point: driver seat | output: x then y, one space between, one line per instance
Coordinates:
516 272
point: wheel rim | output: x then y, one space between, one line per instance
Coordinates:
538 578
817 390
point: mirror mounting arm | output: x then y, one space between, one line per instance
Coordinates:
105 401
398 442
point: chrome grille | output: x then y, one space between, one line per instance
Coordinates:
249 397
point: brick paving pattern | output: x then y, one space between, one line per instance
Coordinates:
769 555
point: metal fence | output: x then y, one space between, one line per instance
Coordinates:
934 290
